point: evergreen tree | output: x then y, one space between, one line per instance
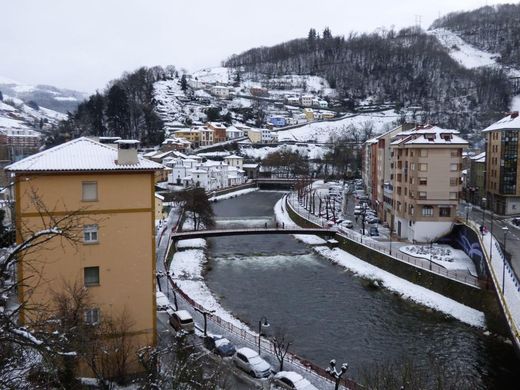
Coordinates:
312 35
118 115
326 33
184 84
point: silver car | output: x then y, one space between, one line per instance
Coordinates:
249 361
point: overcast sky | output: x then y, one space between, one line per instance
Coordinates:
82 44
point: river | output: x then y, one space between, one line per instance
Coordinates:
332 314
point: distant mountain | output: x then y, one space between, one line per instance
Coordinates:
61 100
408 67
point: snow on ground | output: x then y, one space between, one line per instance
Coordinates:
191 243
311 151
13 123
515 103
233 194
443 255
465 54
186 268
212 75
322 131
407 289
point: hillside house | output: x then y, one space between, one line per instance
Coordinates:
219 131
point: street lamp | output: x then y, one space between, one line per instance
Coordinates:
506 230
331 370
468 210
261 325
484 200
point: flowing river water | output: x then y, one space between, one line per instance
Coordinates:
332 314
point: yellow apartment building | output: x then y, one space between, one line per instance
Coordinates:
192 135
426 178
112 191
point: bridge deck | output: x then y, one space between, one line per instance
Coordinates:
238 232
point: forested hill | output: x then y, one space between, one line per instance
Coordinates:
495 29
407 67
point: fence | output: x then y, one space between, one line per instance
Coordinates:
247 336
424 264
505 281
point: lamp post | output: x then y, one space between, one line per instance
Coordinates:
506 230
261 325
205 313
484 200
468 210
331 370
431 247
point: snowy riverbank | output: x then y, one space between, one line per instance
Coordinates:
233 194
391 282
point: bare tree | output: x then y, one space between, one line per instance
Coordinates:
281 342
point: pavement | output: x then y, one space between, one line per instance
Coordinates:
496 224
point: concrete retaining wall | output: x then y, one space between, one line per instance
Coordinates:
483 299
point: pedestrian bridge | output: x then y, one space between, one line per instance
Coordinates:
186 235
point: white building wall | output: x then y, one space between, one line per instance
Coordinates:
426 231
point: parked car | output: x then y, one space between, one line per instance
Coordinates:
162 302
249 361
348 224
291 380
182 320
516 221
372 231
220 345
373 220
358 210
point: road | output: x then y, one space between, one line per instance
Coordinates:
496 224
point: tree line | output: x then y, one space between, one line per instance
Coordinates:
126 109
407 67
492 28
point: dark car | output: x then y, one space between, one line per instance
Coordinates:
220 345
372 231
516 221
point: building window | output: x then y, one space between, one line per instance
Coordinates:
456 153
90 234
89 191
427 211
423 167
412 166
423 194
444 211
92 316
454 181
454 195
423 153
454 167
91 276
423 181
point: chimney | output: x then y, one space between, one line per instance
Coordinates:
127 152
514 114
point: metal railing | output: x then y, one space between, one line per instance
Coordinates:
424 264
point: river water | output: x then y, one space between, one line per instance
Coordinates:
332 314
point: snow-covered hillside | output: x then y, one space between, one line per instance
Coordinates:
376 123
15 114
56 99
467 55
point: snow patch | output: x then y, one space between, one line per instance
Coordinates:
233 194
405 288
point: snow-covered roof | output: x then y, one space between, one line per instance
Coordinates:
429 135
250 166
247 352
159 196
183 315
233 156
510 122
217 125
481 157
80 154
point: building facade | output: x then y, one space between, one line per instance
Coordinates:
111 191
426 178
502 170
